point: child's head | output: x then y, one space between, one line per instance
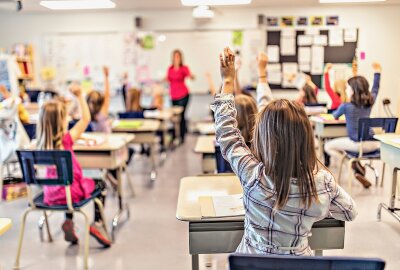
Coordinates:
51 125
134 96
177 58
308 95
246 108
283 141
340 89
358 92
95 101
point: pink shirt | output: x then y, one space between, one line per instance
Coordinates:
81 187
176 78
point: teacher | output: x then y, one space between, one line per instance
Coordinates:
177 73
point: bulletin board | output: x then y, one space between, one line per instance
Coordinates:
332 54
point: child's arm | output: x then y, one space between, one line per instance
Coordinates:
342 206
264 94
83 123
377 79
339 112
106 105
312 84
238 89
336 101
233 146
211 85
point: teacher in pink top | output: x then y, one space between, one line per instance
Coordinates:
177 73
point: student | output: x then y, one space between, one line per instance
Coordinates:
308 93
52 134
360 105
338 94
99 105
285 190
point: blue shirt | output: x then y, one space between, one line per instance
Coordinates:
353 113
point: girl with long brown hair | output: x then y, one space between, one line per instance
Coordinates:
285 188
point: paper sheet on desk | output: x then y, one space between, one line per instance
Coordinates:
222 206
89 140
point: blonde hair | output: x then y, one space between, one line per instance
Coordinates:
51 125
134 96
340 88
283 141
246 108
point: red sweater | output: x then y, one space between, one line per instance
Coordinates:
336 101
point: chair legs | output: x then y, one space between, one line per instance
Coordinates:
44 221
341 168
383 173
350 174
376 173
101 208
21 237
86 246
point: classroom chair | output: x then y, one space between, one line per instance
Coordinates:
274 262
131 115
72 123
366 128
223 166
34 165
30 130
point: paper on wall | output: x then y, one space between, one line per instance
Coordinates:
350 35
289 71
288 32
312 31
336 37
317 63
288 46
320 40
305 67
273 53
304 55
304 40
274 73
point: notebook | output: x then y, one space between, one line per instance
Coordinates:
127 124
329 117
222 206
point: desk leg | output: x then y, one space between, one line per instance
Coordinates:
321 149
121 207
391 208
195 261
153 173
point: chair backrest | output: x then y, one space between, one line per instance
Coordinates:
30 130
366 126
46 167
131 115
273 262
223 166
315 104
72 123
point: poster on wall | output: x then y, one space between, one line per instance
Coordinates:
316 20
272 21
302 21
237 38
287 21
332 20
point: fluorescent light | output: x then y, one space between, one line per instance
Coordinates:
78 4
348 1
202 12
214 2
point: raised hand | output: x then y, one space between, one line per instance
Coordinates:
76 90
262 61
377 67
106 71
227 68
328 67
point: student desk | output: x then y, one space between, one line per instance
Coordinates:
111 154
172 115
205 145
5 225
146 133
390 154
223 235
206 128
327 129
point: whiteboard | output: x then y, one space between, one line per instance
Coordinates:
201 51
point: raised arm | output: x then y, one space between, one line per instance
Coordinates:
312 84
107 96
342 206
336 101
339 112
233 146
264 94
377 79
83 123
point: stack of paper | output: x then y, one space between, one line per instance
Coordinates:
222 206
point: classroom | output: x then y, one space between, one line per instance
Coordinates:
199 134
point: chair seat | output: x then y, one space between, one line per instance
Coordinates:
374 154
39 202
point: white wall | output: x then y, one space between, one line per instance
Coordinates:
379 30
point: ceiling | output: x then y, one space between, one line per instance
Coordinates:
33 5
